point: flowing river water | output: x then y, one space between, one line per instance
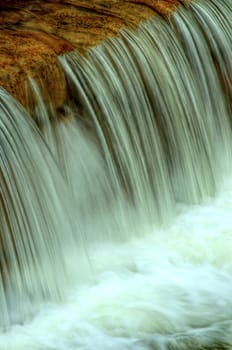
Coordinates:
117 220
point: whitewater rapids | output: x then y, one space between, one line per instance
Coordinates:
170 287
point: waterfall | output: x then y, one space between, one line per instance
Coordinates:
158 91
33 211
143 140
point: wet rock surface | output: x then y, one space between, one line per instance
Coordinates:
33 33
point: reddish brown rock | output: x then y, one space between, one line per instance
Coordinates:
26 54
34 32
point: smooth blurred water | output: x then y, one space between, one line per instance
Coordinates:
116 220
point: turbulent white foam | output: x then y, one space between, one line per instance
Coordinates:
170 287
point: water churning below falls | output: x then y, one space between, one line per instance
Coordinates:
116 226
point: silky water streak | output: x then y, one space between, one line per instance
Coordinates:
33 205
126 183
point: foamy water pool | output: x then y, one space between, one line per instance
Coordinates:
169 287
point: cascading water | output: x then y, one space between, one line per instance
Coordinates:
131 194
